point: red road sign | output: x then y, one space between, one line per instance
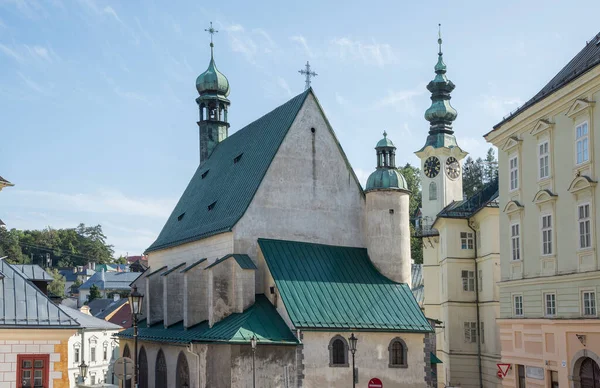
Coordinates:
503 370
499 374
375 383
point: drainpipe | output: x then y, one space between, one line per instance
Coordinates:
190 349
477 306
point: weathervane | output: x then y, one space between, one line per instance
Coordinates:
308 75
211 30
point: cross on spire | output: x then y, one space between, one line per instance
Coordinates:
308 73
440 38
211 30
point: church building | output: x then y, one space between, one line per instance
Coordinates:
276 265
461 259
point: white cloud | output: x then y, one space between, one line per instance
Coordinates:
104 201
362 176
380 54
303 43
11 53
402 100
499 106
340 99
250 43
284 85
110 11
43 53
32 84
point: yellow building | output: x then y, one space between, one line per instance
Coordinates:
460 252
549 162
34 332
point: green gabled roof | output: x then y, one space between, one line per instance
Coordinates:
261 319
327 287
227 186
244 261
486 197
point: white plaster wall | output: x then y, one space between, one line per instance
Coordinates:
8 359
372 360
195 295
308 193
213 248
101 368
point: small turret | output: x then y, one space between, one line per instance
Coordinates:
388 217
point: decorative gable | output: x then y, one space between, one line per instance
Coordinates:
580 183
511 143
541 127
579 106
513 207
544 196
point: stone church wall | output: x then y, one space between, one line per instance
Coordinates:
308 193
372 360
195 295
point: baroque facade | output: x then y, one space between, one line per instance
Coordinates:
549 162
274 239
460 251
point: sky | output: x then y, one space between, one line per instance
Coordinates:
97 98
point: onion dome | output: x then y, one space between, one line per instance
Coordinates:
212 80
440 114
387 176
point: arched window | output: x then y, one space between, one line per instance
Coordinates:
160 377
432 191
127 353
338 352
143 369
182 380
398 352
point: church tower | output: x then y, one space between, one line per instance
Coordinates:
441 176
213 104
388 216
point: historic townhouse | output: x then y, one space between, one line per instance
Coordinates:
460 252
549 163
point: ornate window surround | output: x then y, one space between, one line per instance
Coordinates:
330 347
404 363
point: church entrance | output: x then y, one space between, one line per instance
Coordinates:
589 374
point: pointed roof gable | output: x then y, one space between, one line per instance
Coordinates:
23 305
585 60
223 187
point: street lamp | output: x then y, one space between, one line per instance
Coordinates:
353 341
135 302
83 370
253 341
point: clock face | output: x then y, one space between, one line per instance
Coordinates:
452 168
431 167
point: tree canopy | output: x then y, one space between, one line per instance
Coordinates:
57 286
479 172
56 247
413 181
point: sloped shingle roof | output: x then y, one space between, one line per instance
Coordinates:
225 185
585 60
88 321
332 287
261 319
33 272
486 197
112 280
418 284
23 305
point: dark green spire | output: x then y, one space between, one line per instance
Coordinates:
440 114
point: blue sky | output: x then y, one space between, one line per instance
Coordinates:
97 106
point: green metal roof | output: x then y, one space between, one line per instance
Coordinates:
230 186
244 261
212 80
261 319
486 197
193 265
385 142
433 359
326 287
386 178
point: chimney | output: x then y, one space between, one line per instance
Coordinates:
85 309
74 269
116 297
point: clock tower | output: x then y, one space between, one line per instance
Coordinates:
441 172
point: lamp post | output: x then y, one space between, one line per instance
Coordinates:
353 341
253 341
135 302
83 370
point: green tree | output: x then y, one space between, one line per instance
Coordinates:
9 246
490 166
413 181
473 175
94 293
57 286
121 260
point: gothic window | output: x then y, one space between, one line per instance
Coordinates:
398 353
338 352
127 353
183 372
160 377
143 369
432 191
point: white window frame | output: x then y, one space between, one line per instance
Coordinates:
585 241
549 304
584 140
517 307
468 281
515 239
593 310
547 247
470 332
77 352
433 196
466 240
544 160
513 167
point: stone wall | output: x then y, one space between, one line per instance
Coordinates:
173 295
221 297
154 297
195 295
212 248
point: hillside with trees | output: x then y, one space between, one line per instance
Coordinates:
56 247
